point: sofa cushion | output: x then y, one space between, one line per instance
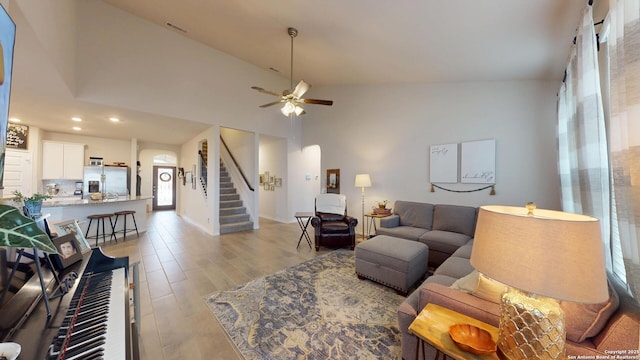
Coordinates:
414 214
583 321
330 217
454 267
444 241
335 227
465 250
455 218
405 232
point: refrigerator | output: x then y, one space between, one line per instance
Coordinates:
116 180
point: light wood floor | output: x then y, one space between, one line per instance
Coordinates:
180 264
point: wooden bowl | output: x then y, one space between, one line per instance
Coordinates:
472 339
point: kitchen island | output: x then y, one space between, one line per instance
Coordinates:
60 210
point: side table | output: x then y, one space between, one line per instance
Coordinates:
371 222
304 218
432 325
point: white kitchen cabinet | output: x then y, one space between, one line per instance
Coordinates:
62 160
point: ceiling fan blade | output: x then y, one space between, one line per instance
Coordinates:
264 91
300 89
271 103
316 101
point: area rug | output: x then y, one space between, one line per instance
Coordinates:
315 310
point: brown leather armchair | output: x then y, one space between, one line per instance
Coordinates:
332 226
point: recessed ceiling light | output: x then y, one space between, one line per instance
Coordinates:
76 119
77 128
114 119
14 120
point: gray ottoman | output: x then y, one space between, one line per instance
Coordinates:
394 262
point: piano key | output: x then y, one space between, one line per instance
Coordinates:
94 326
116 344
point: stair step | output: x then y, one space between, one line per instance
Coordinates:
224 174
224 179
229 197
234 219
232 210
226 185
230 203
230 190
229 228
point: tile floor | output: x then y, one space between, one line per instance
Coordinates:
180 264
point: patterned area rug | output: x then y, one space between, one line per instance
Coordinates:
315 310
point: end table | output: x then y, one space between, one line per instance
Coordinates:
432 325
371 221
301 217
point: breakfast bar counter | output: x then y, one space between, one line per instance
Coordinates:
65 209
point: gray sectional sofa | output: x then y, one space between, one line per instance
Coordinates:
592 329
444 228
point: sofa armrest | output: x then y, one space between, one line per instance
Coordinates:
390 221
622 332
464 303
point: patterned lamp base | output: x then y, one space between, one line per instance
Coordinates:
531 326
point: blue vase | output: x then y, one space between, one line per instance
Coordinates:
33 208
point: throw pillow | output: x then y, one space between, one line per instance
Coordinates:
490 289
468 283
583 321
481 286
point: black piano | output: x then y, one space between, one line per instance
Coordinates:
91 321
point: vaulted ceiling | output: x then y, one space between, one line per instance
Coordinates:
358 42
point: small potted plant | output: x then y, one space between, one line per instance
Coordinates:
382 204
32 204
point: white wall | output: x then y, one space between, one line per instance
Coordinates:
145 157
241 144
386 131
53 24
192 204
305 178
128 62
273 158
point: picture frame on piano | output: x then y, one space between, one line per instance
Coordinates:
72 227
69 251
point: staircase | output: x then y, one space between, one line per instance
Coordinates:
233 216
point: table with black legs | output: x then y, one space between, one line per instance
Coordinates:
304 218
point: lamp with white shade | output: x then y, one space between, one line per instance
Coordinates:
543 256
363 181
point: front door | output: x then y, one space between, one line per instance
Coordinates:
164 188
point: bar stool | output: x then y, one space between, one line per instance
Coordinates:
124 230
100 218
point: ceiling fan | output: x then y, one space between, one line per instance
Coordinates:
292 97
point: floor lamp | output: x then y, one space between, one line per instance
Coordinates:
363 181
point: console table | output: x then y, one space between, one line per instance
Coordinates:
432 325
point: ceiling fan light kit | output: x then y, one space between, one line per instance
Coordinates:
292 98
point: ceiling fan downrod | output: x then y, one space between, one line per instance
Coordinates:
293 32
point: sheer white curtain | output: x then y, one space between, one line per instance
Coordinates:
582 146
623 42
